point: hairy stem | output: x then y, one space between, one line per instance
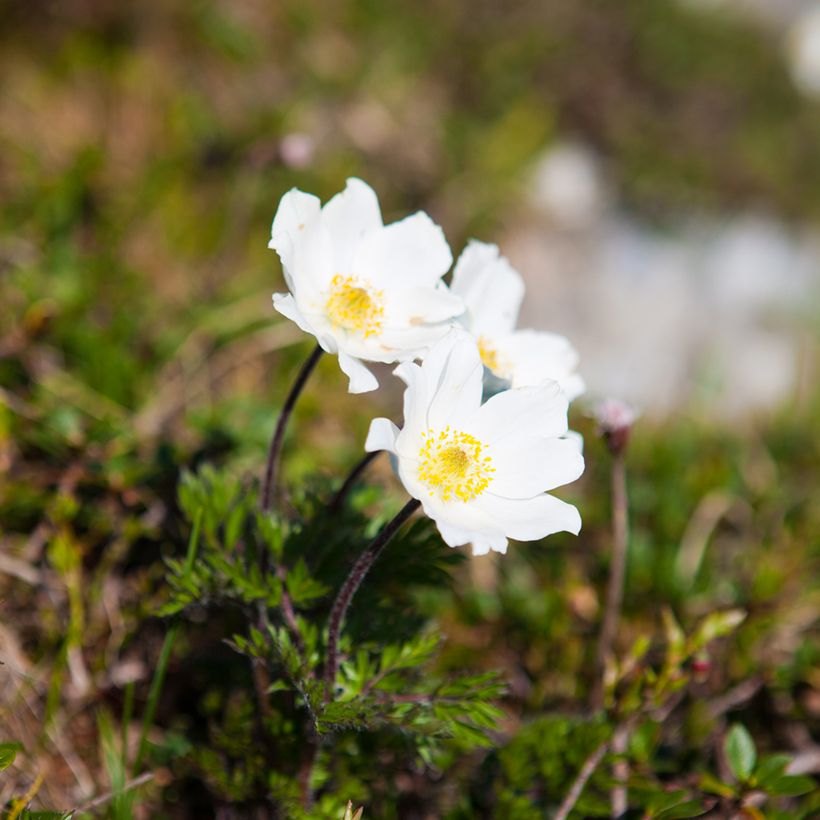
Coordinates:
275 451
615 590
350 481
261 677
348 590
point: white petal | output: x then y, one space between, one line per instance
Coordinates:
453 536
576 438
446 389
415 409
286 305
573 386
411 342
491 288
313 266
540 410
536 355
526 466
361 379
495 546
411 307
348 216
531 518
381 436
296 210
409 253
458 523
454 374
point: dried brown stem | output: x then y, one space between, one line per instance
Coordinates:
577 788
615 589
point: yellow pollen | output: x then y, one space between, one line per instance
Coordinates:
492 359
454 465
354 306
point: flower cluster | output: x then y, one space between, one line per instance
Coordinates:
371 292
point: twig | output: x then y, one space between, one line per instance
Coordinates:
620 772
735 697
577 788
17 807
348 590
338 499
144 778
269 484
615 589
20 569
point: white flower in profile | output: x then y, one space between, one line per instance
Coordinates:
493 290
366 291
481 472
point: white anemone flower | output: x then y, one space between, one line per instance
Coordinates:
481 471
365 290
493 290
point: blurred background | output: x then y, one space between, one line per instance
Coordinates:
651 166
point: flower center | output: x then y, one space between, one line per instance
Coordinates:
354 306
492 359
454 465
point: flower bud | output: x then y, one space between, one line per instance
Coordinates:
615 419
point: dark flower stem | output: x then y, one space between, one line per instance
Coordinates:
349 482
275 451
348 590
261 676
615 590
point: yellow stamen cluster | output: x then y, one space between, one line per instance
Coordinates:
355 306
492 359
453 465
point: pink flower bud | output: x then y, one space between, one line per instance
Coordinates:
615 419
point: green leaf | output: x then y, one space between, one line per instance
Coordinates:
791 786
644 740
717 625
771 768
709 783
740 752
688 808
8 751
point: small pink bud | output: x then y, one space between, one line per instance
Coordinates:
615 419
296 150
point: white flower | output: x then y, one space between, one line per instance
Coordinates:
365 290
492 290
481 471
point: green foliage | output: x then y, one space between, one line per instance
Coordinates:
380 685
137 343
740 752
8 751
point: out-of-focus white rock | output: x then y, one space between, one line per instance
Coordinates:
708 314
803 50
568 186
